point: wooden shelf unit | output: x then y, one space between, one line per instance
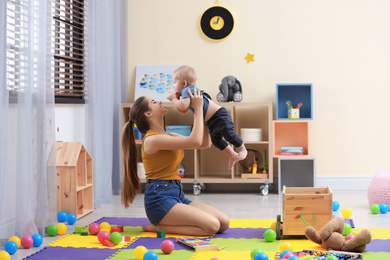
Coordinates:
211 165
290 133
74 179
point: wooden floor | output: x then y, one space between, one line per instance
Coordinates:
244 205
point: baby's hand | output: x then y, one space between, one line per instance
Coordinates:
171 96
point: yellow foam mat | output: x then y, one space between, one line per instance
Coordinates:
377 233
154 234
251 223
228 255
90 241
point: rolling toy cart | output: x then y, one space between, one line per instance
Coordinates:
302 207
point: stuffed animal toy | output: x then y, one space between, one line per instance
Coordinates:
231 90
331 237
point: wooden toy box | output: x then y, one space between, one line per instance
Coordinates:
306 204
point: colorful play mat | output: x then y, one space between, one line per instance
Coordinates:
237 242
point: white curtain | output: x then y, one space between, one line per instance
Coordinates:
27 127
107 84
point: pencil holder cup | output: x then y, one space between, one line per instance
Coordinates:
293 113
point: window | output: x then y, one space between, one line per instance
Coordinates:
69 50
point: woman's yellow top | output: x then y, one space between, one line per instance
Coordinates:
163 165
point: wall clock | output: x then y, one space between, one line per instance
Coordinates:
217 23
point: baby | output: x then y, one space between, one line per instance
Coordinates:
218 120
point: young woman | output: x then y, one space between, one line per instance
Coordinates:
165 204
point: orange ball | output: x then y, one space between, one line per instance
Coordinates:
16 240
61 228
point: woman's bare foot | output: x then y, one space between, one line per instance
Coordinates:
149 228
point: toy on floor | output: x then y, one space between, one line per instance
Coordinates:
254 252
116 238
103 235
37 240
71 219
150 255
320 254
167 246
384 208
335 206
61 228
52 230
16 239
94 228
11 247
331 237
139 252
4 255
198 244
269 235
375 208
261 256
347 213
27 242
61 216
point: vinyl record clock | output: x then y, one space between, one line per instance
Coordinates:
217 23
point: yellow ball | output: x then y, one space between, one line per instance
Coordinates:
106 226
4 255
139 252
16 240
61 228
347 213
286 246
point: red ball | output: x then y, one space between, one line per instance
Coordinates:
27 242
94 228
103 235
167 246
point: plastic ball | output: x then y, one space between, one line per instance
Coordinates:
61 216
254 252
332 257
347 229
384 208
261 256
61 228
105 225
214 259
4 255
349 236
288 255
335 206
347 213
150 255
103 235
11 247
167 246
15 239
52 230
269 235
116 238
94 228
294 257
283 253
27 242
71 219
139 252
286 246
375 208
37 240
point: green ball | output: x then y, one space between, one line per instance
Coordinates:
332 257
269 235
254 252
52 230
116 238
347 229
375 208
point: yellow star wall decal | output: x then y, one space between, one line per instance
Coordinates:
249 57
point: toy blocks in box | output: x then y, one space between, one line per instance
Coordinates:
306 204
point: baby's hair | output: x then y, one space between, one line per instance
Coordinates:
186 73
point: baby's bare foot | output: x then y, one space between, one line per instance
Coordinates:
242 153
149 228
232 161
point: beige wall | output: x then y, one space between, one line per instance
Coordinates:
342 47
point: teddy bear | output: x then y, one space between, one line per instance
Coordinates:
331 237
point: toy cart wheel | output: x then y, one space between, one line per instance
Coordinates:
264 189
201 186
197 190
278 230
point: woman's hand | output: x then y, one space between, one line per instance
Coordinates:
196 99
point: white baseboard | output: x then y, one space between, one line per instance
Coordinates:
344 182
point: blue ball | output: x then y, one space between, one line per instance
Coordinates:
71 219
384 208
150 255
293 258
61 216
336 205
11 247
38 240
261 256
283 253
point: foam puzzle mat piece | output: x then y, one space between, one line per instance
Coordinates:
244 244
251 223
155 243
228 255
128 254
78 241
61 253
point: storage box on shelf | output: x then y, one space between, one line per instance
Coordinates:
211 165
74 179
290 134
296 93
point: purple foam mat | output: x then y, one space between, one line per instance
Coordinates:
133 222
242 233
66 253
350 222
378 245
155 243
